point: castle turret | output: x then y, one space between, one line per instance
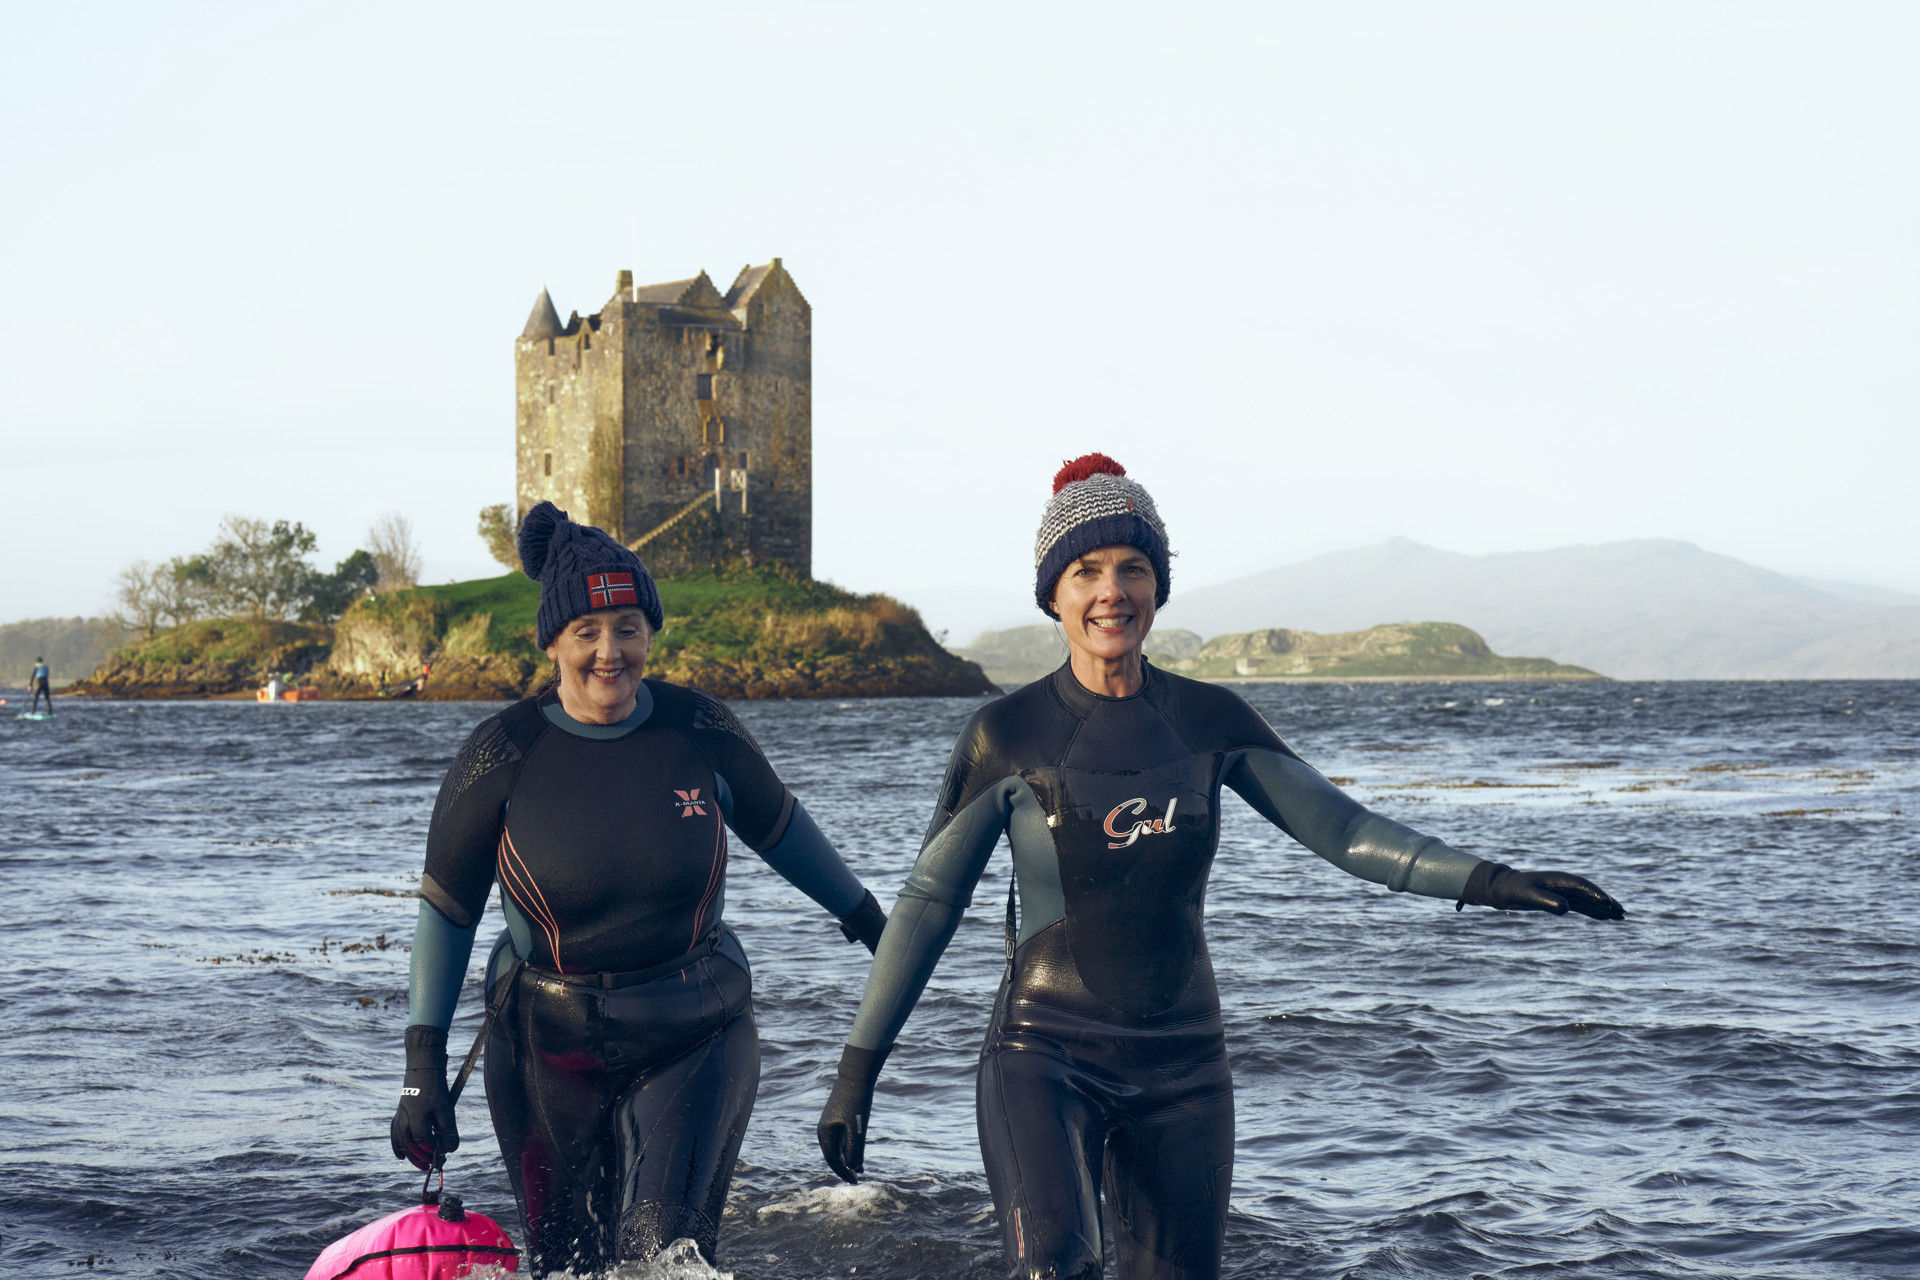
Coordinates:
543 321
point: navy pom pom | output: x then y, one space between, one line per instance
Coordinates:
536 532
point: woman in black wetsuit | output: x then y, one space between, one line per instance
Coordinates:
622 1068
1104 1071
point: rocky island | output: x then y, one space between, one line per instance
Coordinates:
736 631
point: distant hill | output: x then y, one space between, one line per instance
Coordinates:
71 646
1400 651
1020 654
1648 609
1858 594
1419 650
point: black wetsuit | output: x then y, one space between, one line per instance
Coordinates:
42 688
622 1069
1104 1068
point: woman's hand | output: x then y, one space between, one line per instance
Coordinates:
423 1126
843 1121
865 923
1499 886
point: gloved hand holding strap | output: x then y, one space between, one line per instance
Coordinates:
843 1121
1496 885
423 1124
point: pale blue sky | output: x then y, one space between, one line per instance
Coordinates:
1491 276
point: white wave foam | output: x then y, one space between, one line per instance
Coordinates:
840 1201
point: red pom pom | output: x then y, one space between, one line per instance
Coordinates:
1087 464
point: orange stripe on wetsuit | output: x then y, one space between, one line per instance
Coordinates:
520 883
715 877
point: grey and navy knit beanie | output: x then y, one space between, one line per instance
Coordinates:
580 569
1095 505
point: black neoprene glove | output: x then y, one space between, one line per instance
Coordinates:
1496 885
843 1121
865 923
423 1123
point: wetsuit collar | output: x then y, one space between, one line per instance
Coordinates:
642 708
1082 701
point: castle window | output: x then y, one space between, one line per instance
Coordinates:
546 464
743 460
703 386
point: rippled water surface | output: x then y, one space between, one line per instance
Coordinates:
207 909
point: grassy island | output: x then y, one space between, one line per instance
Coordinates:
736 631
1399 651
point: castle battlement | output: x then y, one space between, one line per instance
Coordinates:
669 394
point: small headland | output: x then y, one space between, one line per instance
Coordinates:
212 658
1412 651
735 631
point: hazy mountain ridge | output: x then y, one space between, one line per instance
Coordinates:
1645 609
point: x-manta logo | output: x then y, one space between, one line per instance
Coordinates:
690 803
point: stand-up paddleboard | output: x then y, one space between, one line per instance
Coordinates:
34 715
427 1242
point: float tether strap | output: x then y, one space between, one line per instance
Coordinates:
499 1002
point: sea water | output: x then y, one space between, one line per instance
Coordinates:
207 910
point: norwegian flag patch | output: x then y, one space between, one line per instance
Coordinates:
609 589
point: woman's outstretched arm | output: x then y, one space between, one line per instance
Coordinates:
1295 797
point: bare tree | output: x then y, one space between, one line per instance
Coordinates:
180 596
137 606
395 554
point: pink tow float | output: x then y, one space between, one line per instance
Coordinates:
426 1242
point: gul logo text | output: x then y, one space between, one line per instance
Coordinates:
1147 827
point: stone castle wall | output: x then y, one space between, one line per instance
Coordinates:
569 425
625 417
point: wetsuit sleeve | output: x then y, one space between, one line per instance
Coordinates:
437 968
805 858
467 819
1295 797
970 821
757 805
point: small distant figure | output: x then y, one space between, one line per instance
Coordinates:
275 687
42 685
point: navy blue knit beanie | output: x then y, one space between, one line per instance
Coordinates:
1094 504
580 569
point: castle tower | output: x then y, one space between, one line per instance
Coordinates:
668 395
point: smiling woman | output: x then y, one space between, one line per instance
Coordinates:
622 1068
1104 601
600 657
1104 1070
